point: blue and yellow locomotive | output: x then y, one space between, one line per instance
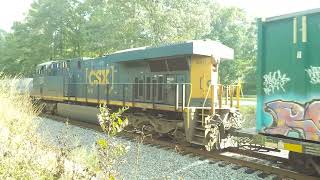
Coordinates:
178 81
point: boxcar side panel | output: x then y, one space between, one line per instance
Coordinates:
289 77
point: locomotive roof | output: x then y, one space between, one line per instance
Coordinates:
62 60
46 63
194 47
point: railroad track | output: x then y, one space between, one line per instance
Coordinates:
266 165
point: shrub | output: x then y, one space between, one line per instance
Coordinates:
21 153
249 116
25 155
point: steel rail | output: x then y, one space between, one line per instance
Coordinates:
195 151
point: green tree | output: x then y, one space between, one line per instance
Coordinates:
232 27
60 29
120 24
2 40
170 21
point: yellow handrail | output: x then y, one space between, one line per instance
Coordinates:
238 94
220 94
189 100
204 102
230 91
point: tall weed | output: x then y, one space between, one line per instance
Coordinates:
25 155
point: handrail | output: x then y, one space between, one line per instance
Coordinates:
184 106
188 116
229 94
204 102
130 83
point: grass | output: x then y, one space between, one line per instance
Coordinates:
249 116
248 99
21 153
25 155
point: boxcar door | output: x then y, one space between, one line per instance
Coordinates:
310 55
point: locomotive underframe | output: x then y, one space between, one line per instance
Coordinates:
162 121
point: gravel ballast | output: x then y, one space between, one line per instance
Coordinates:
150 162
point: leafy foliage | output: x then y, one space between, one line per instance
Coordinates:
26 154
231 27
109 153
249 116
59 29
111 123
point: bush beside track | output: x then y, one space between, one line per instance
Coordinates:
25 155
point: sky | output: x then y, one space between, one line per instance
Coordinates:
15 10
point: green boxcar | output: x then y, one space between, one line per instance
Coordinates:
288 68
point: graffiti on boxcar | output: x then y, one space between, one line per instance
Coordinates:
274 81
314 74
294 120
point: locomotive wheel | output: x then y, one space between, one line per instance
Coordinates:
233 120
179 135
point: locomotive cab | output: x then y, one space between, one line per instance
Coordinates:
48 80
